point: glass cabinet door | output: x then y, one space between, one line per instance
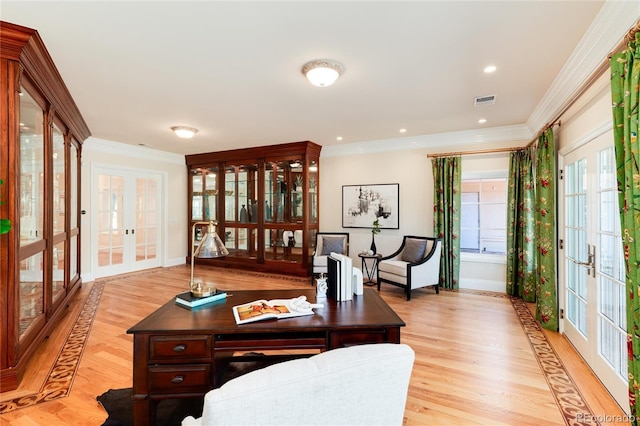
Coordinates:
32 190
241 209
59 201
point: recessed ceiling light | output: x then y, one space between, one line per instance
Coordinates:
490 69
339 138
403 130
482 120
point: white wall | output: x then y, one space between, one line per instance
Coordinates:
97 152
412 170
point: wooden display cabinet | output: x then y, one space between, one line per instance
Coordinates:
265 201
42 135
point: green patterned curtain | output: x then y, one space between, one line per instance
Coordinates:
545 237
521 259
446 217
625 74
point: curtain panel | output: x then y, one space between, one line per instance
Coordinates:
545 232
521 259
531 228
446 216
625 76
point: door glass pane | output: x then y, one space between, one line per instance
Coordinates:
211 194
612 324
230 195
31 169
31 292
59 181
313 192
110 220
196 195
147 190
576 251
58 288
73 257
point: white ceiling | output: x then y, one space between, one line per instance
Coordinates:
233 69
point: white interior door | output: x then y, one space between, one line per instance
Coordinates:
127 221
592 266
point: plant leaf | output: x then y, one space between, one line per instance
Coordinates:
5 226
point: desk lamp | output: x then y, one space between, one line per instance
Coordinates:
210 246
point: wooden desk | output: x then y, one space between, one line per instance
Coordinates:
175 349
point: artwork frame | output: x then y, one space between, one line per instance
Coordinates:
363 204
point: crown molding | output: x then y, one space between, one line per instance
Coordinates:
515 133
93 144
607 30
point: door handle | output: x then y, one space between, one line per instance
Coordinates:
591 260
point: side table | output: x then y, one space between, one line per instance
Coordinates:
369 272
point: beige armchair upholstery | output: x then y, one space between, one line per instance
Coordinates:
357 385
327 242
414 265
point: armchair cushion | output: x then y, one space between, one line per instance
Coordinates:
413 251
332 244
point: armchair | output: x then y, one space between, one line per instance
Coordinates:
414 265
356 385
326 243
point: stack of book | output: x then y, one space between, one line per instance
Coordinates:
187 300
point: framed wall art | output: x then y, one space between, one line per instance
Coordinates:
363 204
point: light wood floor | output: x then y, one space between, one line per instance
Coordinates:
474 362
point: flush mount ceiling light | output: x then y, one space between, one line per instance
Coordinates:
322 72
184 132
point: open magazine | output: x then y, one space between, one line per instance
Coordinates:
276 308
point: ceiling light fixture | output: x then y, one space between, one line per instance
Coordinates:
490 69
322 72
403 130
184 132
482 120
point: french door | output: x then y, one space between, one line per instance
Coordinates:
592 265
126 226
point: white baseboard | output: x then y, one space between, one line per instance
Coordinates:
486 285
87 278
175 262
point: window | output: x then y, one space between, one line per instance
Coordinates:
484 215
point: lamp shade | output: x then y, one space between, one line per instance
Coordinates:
322 72
211 246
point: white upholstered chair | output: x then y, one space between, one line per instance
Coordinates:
414 265
357 385
326 243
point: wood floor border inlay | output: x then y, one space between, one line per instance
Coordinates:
570 401
63 371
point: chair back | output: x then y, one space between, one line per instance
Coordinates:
327 242
357 385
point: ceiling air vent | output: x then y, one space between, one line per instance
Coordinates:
484 100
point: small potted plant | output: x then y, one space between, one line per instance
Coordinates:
375 230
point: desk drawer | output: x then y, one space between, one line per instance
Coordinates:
179 378
175 348
339 339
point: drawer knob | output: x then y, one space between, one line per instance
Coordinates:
177 380
180 348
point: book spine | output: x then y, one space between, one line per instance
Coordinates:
199 302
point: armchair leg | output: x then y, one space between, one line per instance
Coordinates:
437 286
408 293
